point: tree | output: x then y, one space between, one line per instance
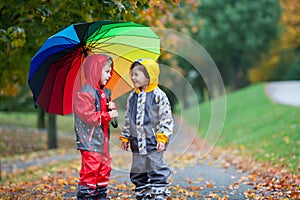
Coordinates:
25 25
237 33
294 70
277 63
181 17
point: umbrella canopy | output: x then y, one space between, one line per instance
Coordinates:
54 68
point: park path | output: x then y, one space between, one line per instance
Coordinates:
196 173
199 171
284 92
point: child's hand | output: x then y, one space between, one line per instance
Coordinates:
112 106
124 146
113 114
160 146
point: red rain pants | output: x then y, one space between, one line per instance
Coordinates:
95 169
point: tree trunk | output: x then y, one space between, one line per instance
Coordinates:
236 74
201 94
52 140
201 86
41 118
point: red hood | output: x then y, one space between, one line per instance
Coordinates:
93 69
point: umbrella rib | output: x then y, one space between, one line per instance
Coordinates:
68 39
77 59
110 38
109 29
108 52
107 45
61 46
59 68
71 41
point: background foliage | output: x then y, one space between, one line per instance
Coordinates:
249 42
277 63
237 33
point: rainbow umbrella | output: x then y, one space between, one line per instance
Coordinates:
54 68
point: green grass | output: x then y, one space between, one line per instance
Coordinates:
18 119
257 126
15 140
20 139
29 120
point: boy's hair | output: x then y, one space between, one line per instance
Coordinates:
140 67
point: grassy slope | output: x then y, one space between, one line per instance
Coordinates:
29 120
256 125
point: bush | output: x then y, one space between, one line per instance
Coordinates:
293 72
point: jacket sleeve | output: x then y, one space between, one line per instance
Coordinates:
84 107
124 137
166 123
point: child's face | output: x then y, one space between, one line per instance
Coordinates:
106 74
138 78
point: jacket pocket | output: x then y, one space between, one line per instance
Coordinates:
97 140
151 143
134 146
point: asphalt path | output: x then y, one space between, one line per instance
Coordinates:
284 92
195 173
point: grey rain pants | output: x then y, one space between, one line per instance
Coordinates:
149 169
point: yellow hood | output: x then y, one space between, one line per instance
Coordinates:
152 68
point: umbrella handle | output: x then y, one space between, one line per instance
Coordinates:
115 122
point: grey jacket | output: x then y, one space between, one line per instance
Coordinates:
147 114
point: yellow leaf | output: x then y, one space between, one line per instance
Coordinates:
286 139
61 182
73 188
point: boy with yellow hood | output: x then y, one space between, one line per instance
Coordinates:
147 127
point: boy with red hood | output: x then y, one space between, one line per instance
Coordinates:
93 111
